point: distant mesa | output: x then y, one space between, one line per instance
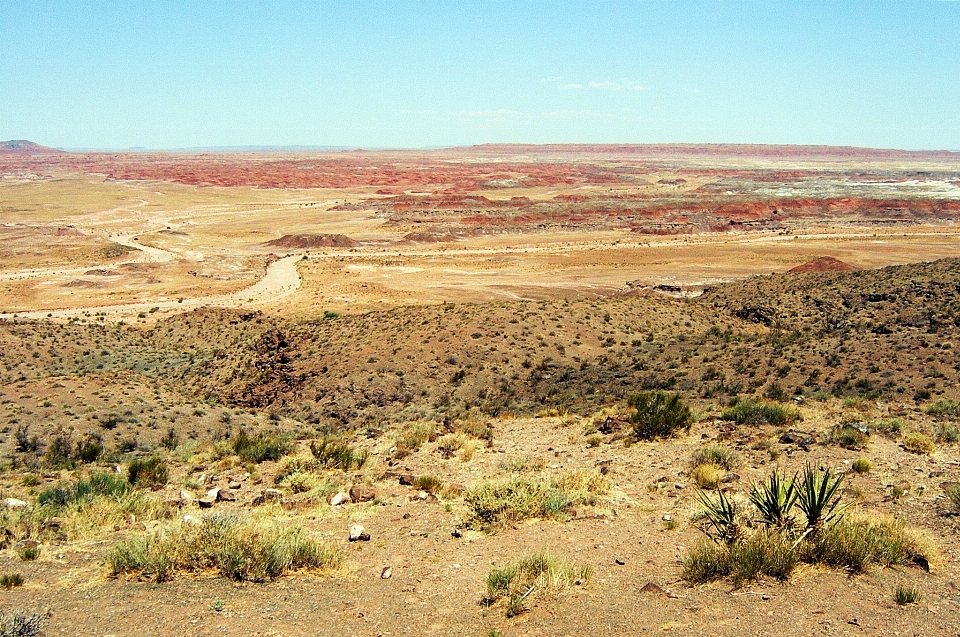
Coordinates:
823 264
24 147
313 241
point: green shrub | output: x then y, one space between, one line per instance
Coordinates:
540 573
432 484
860 541
904 595
849 436
336 453
239 549
862 465
658 415
89 448
707 476
952 492
944 408
260 448
98 484
751 412
946 433
11 580
29 553
718 455
818 496
412 437
763 553
518 498
151 472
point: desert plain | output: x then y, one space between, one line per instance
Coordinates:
444 347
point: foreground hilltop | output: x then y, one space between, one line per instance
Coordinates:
456 442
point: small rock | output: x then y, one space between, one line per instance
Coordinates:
357 534
407 479
456 533
224 495
730 477
213 494
338 498
26 544
765 597
14 503
206 503
272 495
678 486
619 562
387 572
202 478
362 493
186 496
234 485
667 517
650 587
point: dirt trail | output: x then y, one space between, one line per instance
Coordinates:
281 280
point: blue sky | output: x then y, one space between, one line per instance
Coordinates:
423 73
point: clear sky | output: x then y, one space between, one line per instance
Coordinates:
417 73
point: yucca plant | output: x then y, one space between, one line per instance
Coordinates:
818 498
722 516
774 498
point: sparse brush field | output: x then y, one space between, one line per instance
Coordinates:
774 450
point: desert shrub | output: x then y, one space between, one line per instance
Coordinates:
918 443
849 436
890 427
476 429
151 472
97 485
862 465
707 476
718 455
658 415
540 573
89 448
260 448
20 624
952 491
904 595
298 482
29 553
774 498
521 464
450 444
751 412
860 541
946 433
519 498
412 437
818 496
59 450
944 408
583 486
170 440
337 453
11 580
240 549
764 553
432 484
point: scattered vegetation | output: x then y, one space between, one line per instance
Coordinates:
151 472
240 549
779 543
717 455
20 624
260 448
540 573
752 412
862 465
336 453
11 580
494 503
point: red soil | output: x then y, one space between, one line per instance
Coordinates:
313 241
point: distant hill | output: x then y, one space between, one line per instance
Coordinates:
24 147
